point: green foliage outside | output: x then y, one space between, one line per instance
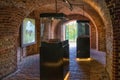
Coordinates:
28 30
71 31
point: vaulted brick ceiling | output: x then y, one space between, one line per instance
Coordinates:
49 5
88 8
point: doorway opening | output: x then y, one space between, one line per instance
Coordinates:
71 35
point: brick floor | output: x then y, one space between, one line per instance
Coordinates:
29 68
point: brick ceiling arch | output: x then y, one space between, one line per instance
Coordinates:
49 5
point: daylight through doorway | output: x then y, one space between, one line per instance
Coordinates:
71 34
71 31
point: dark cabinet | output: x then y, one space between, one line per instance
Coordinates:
83 47
52 66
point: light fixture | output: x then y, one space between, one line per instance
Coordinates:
53 15
83 21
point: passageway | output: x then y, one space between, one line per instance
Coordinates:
29 69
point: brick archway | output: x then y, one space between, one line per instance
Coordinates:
93 30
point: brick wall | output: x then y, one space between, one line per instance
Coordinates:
10 19
101 39
114 8
8 57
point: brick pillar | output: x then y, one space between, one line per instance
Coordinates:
38 38
93 37
114 8
10 19
101 39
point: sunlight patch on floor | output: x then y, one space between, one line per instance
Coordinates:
83 59
67 75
